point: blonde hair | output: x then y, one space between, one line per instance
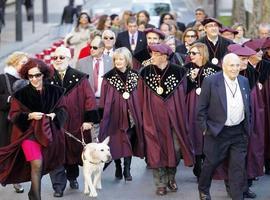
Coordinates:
202 48
126 53
15 57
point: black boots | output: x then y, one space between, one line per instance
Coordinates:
126 173
198 166
118 169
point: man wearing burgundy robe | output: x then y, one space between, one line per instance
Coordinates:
161 96
81 116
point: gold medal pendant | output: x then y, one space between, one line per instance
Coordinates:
214 61
198 91
126 95
159 90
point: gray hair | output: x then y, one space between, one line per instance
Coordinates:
126 53
228 57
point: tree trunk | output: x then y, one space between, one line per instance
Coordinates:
265 11
239 14
255 18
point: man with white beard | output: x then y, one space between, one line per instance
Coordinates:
82 115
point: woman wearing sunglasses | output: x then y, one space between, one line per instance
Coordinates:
37 141
199 67
189 37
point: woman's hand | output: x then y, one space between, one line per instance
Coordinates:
87 126
194 73
51 115
35 115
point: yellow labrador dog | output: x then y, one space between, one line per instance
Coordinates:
94 156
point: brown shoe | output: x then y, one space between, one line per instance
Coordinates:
161 191
172 185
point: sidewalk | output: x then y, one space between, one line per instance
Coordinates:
43 32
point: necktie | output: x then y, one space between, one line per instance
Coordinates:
96 72
132 40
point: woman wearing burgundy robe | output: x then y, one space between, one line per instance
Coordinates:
164 118
37 141
122 119
198 68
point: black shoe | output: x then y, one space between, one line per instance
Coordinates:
204 196
249 194
74 184
58 194
18 188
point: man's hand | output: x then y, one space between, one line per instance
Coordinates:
51 115
35 115
87 126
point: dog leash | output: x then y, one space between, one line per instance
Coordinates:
72 136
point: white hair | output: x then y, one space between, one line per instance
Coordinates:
228 57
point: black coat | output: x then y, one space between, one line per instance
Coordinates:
5 125
122 40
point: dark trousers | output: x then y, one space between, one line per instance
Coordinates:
231 143
60 176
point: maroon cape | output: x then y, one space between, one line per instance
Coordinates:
14 168
116 120
163 114
194 132
81 108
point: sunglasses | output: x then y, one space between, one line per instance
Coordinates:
193 53
107 38
60 57
190 36
94 47
31 76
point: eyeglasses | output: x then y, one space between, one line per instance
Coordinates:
200 30
108 38
199 13
31 76
193 53
212 25
60 57
94 47
190 36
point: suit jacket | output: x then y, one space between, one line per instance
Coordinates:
86 65
212 105
122 40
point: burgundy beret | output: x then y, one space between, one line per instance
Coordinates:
154 30
255 44
241 50
162 48
209 20
228 29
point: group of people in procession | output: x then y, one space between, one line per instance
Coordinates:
203 98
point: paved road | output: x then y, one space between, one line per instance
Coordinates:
141 188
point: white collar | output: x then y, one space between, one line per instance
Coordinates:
228 80
213 41
12 71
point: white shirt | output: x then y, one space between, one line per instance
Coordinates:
235 104
135 36
100 74
213 41
105 52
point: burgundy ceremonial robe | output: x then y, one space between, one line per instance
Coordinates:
192 94
264 78
120 114
81 107
164 114
49 133
255 156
